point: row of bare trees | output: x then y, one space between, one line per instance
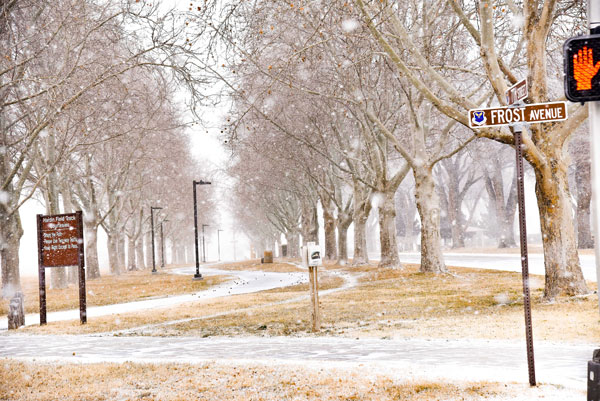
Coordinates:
89 121
336 103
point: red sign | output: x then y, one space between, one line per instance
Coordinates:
530 113
61 239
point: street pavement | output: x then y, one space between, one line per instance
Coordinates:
503 261
470 360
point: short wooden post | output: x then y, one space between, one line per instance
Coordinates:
314 296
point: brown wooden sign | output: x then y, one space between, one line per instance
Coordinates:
530 113
61 239
60 243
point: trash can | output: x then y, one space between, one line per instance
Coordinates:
593 380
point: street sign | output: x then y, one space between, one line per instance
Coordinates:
530 113
61 240
60 243
517 92
582 80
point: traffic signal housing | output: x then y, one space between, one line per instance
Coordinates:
582 65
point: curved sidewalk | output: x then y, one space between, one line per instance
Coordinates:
245 282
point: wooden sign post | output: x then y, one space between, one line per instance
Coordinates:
60 244
311 258
314 297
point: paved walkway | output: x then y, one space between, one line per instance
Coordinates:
245 282
502 361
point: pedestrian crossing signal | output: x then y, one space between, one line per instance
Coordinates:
582 63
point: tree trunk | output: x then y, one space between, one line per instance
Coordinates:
293 245
455 215
174 255
160 243
91 250
131 265
310 224
148 240
507 219
11 232
113 260
189 254
59 278
329 223
458 233
121 255
139 253
504 208
343 224
428 206
561 260
58 275
584 197
387 232
68 207
361 215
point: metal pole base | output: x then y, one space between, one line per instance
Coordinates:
198 277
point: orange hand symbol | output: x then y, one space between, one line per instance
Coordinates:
584 68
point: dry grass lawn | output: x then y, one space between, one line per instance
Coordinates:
469 303
130 286
131 381
265 305
387 303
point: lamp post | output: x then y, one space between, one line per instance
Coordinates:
197 276
152 209
162 244
203 246
219 244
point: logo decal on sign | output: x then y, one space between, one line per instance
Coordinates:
479 118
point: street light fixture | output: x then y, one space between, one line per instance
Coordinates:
203 247
152 209
197 276
219 244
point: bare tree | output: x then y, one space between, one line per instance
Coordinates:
533 41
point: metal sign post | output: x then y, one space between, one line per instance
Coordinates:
518 130
594 111
517 115
60 244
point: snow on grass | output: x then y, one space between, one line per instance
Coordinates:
234 381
